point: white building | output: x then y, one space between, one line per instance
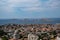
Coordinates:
0 38
16 34
32 36
58 38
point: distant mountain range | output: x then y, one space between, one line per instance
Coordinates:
30 21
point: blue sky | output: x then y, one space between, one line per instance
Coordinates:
10 9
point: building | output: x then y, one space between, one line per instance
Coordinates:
32 36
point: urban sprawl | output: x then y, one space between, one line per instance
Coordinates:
30 32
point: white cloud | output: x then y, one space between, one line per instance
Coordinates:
29 5
53 3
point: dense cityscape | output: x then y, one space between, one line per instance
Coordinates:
30 32
29 19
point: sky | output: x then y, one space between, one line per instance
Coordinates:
10 9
